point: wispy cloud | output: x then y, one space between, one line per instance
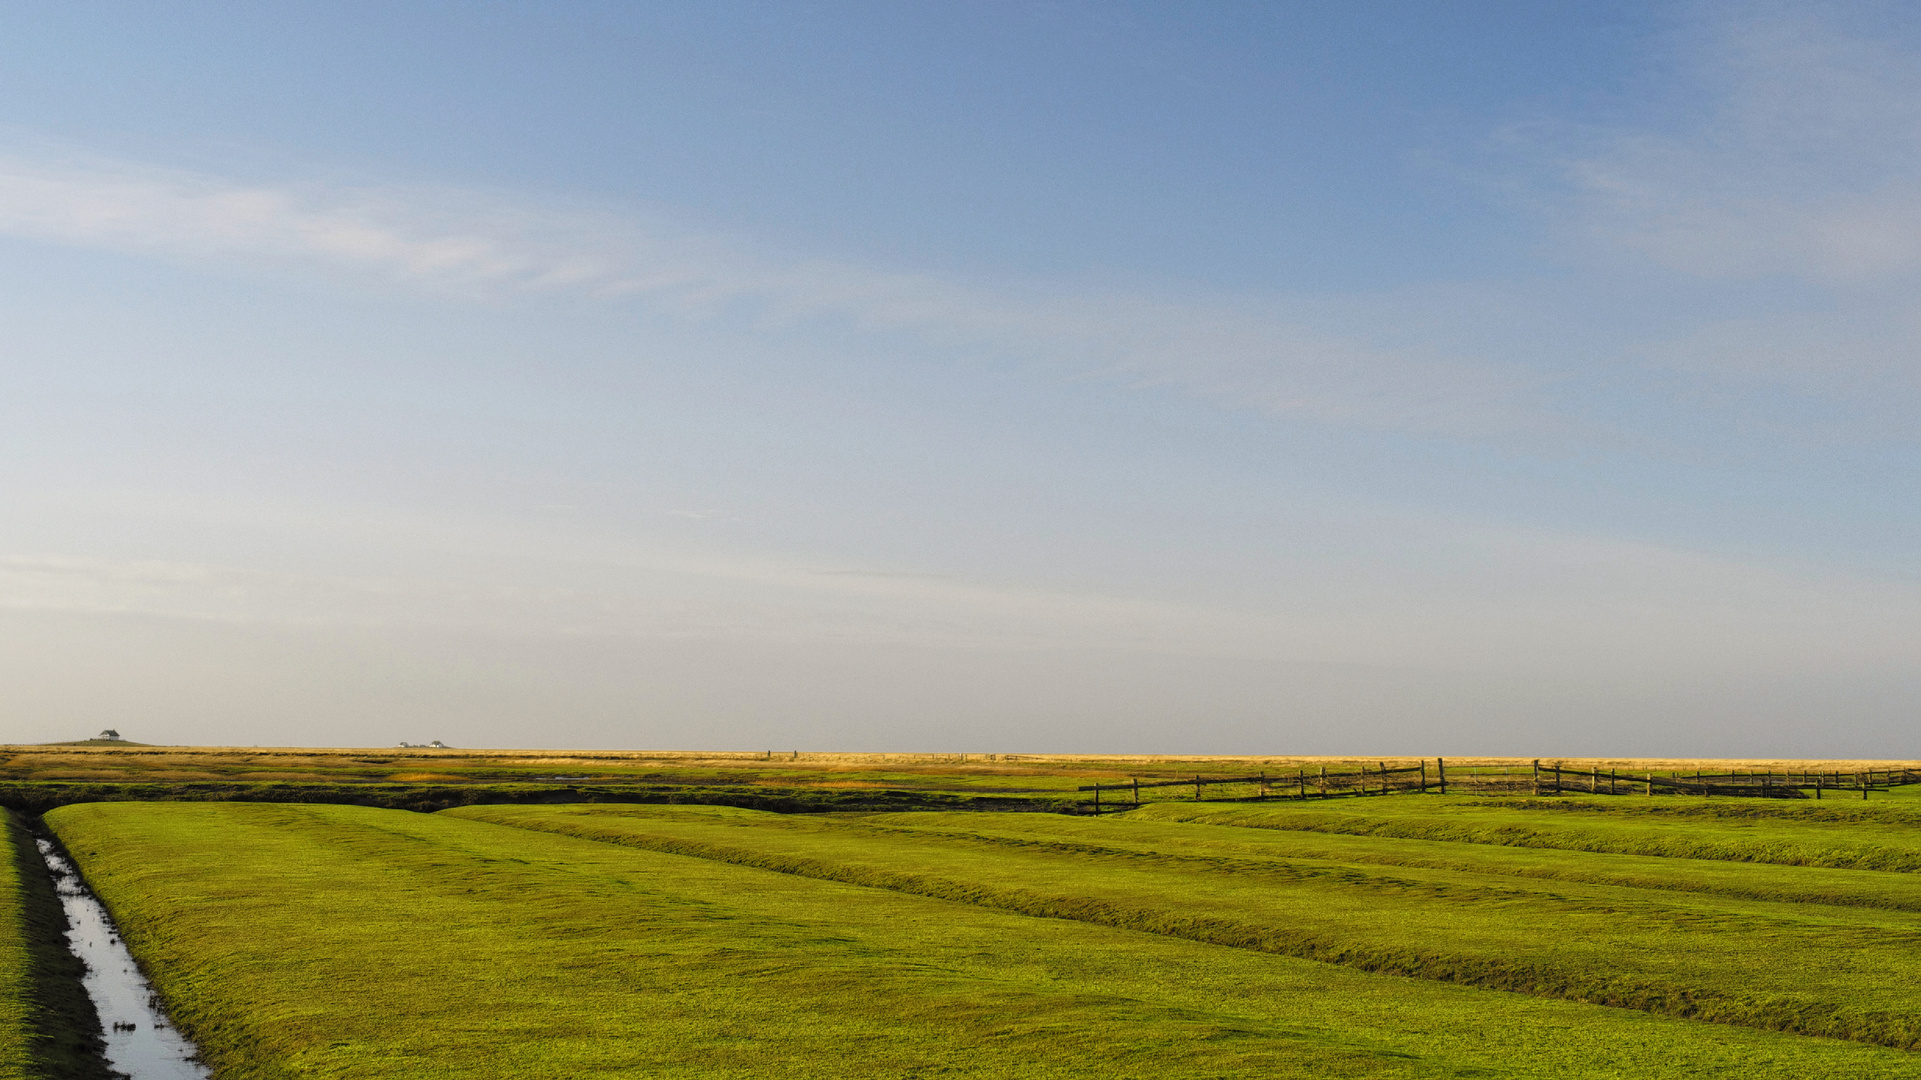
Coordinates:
1787 151
641 596
1778 189
1802 157
1442 597
1246 353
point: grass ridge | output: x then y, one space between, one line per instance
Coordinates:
1287 869
1856 856
1768 1012
1455 862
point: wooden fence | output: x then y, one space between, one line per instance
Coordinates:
1748 783
1301 784
1531 779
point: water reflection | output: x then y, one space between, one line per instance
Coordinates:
140 1042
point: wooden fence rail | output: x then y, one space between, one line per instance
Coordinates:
1531 779
1303 784
1749 783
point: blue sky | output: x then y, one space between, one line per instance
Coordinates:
1333 378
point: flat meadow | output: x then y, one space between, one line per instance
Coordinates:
1406 936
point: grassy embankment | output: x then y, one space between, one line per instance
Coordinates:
1883 834
48 1030
1512 845
328 941
1607 931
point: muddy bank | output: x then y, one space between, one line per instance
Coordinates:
67 1041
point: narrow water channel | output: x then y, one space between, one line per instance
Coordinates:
140 1042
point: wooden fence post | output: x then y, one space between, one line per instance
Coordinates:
1137 791
1537 776
1323 781
1650 784
1301 776
1440 769
1197 787
1423 776
1097 800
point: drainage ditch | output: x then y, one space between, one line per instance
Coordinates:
140 1041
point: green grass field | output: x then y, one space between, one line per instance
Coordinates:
352 942
1847 971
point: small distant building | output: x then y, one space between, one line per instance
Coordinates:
109 735
438 745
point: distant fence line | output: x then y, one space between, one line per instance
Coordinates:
1532 779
